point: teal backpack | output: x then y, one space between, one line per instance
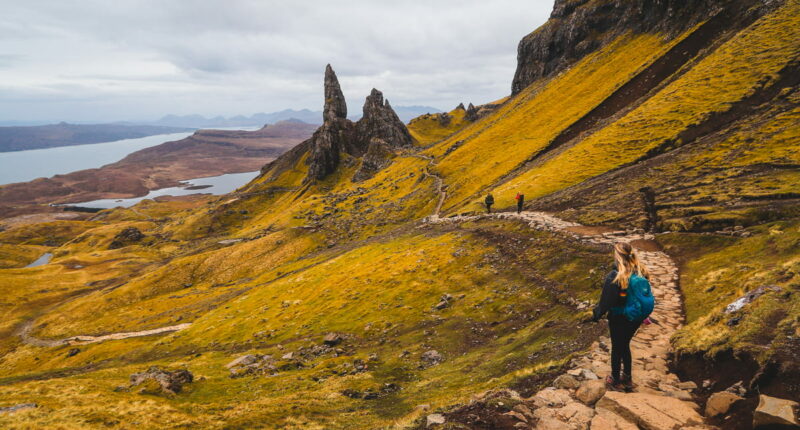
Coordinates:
640 301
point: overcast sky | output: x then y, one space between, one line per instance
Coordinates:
107 60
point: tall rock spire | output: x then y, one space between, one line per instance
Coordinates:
335 105
381 121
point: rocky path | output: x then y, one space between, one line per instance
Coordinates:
578 399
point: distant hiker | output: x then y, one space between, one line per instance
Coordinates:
488 201
628 300
520 201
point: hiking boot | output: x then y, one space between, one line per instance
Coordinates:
614 385
627 383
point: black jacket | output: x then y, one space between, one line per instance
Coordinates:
609 298
489 200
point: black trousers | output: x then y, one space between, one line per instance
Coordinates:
622 332
488 207
519 207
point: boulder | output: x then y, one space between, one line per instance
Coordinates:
750 297
551 397
651 412
566 382
332 339
434 419
774 411
588 374
432 357
591 391
157 380
720 403
242 361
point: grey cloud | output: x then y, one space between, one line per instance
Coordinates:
147 58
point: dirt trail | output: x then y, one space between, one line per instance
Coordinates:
27 338
660 400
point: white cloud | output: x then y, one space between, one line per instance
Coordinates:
141 59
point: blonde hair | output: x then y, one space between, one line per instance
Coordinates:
628 263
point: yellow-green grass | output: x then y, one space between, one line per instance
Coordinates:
752 158
427 129
732 72
381 296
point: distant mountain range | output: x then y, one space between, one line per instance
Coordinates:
406 113
34 136
64 134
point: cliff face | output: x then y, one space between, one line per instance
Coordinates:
379 131
579 27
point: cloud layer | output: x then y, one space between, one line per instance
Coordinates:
141 59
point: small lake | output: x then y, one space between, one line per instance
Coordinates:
221 184
44 259
23 166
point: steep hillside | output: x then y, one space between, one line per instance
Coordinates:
357 282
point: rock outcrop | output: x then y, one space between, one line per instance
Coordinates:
126 237
156 380
373 138
380 121
472 113
579 27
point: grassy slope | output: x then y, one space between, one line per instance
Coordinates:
427 129
497 144
381 295
729 74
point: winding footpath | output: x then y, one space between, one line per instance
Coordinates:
578 398
27 338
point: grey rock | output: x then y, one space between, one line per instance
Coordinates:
434 419
566 382
18 407
772 411
332 339
432 357
335 104
171 382
719 403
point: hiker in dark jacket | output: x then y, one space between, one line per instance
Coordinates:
488 201
612 302
520 201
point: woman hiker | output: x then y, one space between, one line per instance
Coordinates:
520 201
628 300
489 201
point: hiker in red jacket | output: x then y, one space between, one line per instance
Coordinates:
520 201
